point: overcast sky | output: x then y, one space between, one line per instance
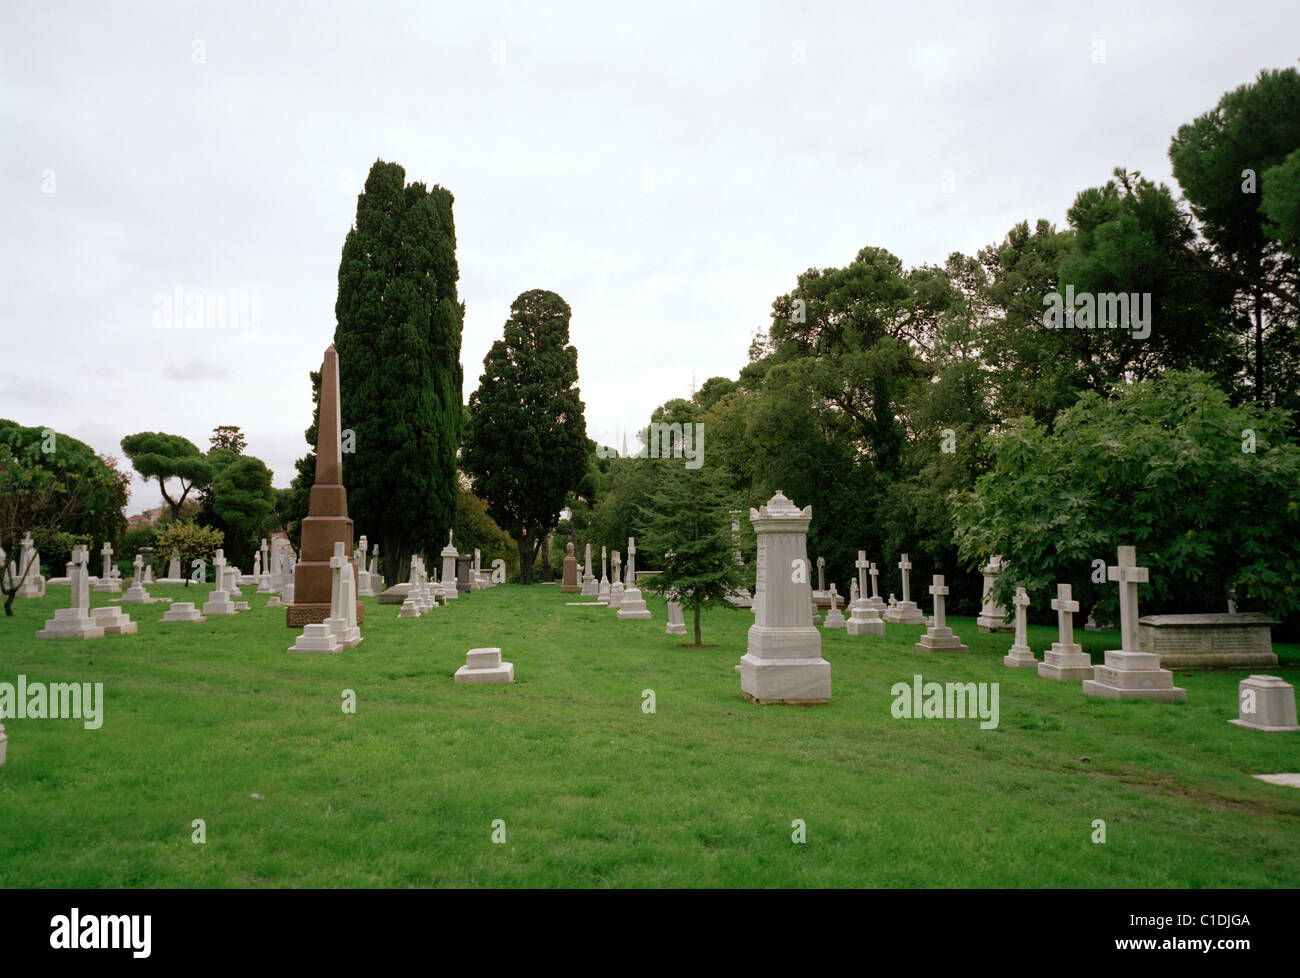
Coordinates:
669 171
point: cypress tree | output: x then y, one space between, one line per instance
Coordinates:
398 340
526 441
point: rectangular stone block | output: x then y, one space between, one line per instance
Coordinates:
483 658
790 681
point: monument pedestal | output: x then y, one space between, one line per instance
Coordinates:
1065 662
71 623
633 605
941 639
485 666
1133 675
1267 703
317 637
904 613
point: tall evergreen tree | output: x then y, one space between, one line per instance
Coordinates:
400 378
526 443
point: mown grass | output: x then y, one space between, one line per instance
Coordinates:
593 791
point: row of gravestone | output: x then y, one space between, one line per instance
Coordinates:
783 661
623 595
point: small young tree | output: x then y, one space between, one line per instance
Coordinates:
689 522
191 542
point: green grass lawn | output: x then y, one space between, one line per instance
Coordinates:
199 719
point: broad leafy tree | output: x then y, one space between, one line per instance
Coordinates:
1209 494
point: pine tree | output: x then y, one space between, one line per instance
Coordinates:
689 522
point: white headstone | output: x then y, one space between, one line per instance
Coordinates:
992 616
219 602
1128 672
1066 658
1020 655
905 612
632 605
108 584
834 617
75 621
938 637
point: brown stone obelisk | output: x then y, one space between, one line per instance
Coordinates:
327 519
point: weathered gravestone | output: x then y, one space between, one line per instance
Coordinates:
1233 641
569 583
864 617
834 617
343 600
992 616
632 605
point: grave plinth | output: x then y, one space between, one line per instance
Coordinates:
1236 641
783 663
1266 703
485 666
327 521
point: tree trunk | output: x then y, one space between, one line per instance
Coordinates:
546 555
1259 346
526 552
698 639
9 602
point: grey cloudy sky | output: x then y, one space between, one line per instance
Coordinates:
669 169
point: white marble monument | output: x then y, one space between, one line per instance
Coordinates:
783 663
108 584
183 611
938 637
219 602
904 612
834 617
75 621
1020 655
632 605
1066 658
1130 673
864 617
